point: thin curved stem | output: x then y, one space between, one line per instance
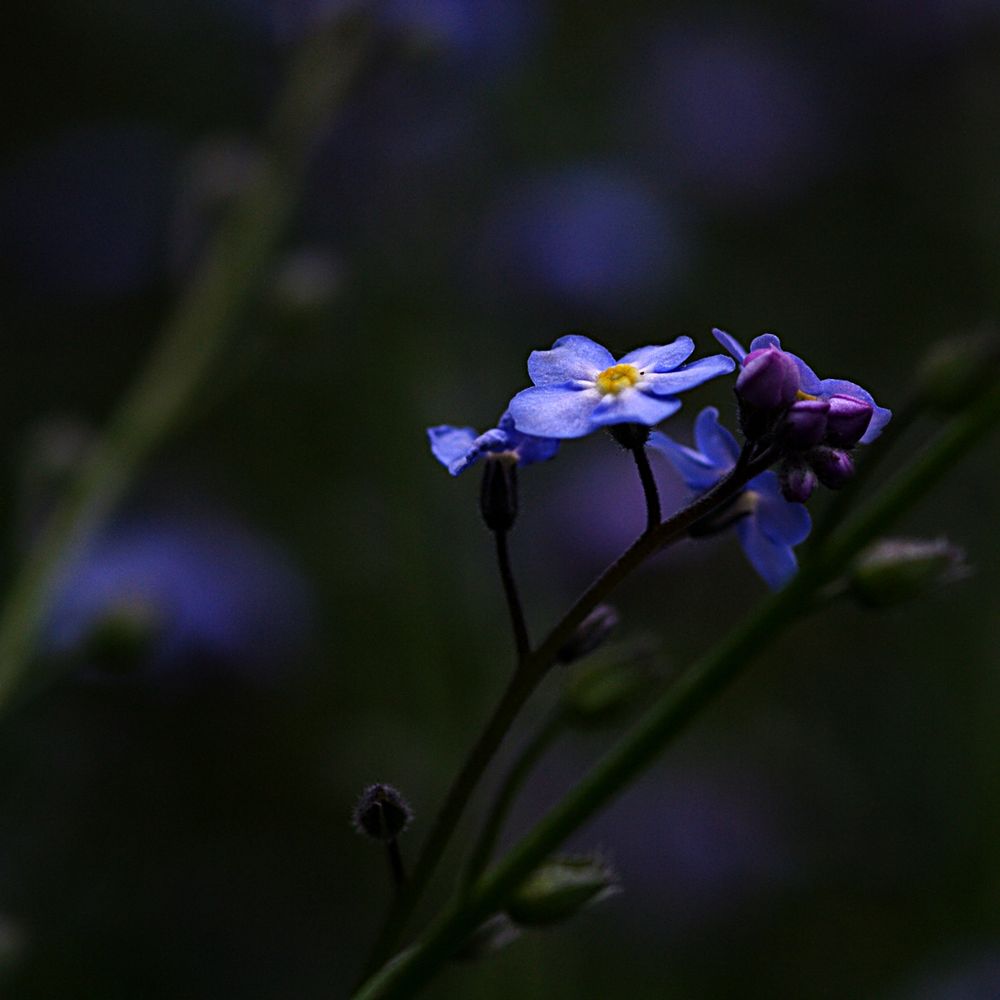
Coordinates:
512 784
396 867
679 705
521 641
529 675
192 341
649 488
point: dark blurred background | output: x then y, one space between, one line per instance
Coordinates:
296 600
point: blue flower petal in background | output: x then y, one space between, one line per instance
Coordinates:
587 238
217 597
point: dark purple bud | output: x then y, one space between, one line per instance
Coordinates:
798 482
768 380
498 492
847 421
381 813
804 424
833 466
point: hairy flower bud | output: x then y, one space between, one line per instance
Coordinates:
559 888
589 634
805 423
498 493
833 466
895 570
798 481
381 813
847 420
768 380
488 938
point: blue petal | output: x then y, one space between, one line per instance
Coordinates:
660 358
809 379
572 357
880 415
694 374
531 449
765 340
554 411
774 562
697 471
731 344
633 407
783 522
451 446
715 442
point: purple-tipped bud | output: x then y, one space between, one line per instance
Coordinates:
798 482
847 420
833 466
589 634
381 813
498 492
804 424
768 380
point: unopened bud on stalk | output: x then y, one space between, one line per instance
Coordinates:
804 425
589 634
835 468
498 493
768 380
847 420
798 481
381 813
560 888
895 570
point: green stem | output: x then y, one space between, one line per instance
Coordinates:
526 678
233 268
512 784
683 701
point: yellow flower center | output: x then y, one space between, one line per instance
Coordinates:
799 395
612 380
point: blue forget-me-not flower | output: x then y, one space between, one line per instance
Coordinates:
768 526
456 448
580 387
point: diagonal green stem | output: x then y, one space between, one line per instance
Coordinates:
529 674
191 343
683 701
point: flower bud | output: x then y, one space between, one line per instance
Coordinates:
498 493
797 481
381 813
895 570
847 420
488 938
768 380
559 888
805 423
833 466
630 436
958 368
589 634
598 692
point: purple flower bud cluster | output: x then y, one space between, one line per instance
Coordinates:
813 423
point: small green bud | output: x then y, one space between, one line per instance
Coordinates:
957 369
488 938
559 888
599 691
895 570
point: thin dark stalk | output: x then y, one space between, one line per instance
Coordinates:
396 866
649 488
521 641
512 784
529 674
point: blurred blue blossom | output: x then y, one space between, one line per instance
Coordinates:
745 118
591 238
456 448
86 212
214 596
768 526
580 387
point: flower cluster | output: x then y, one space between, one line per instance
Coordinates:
812 423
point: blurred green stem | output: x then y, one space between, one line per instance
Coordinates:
233 269
693 691
512 783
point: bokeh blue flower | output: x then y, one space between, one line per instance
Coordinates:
580 387
456 448
767 525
